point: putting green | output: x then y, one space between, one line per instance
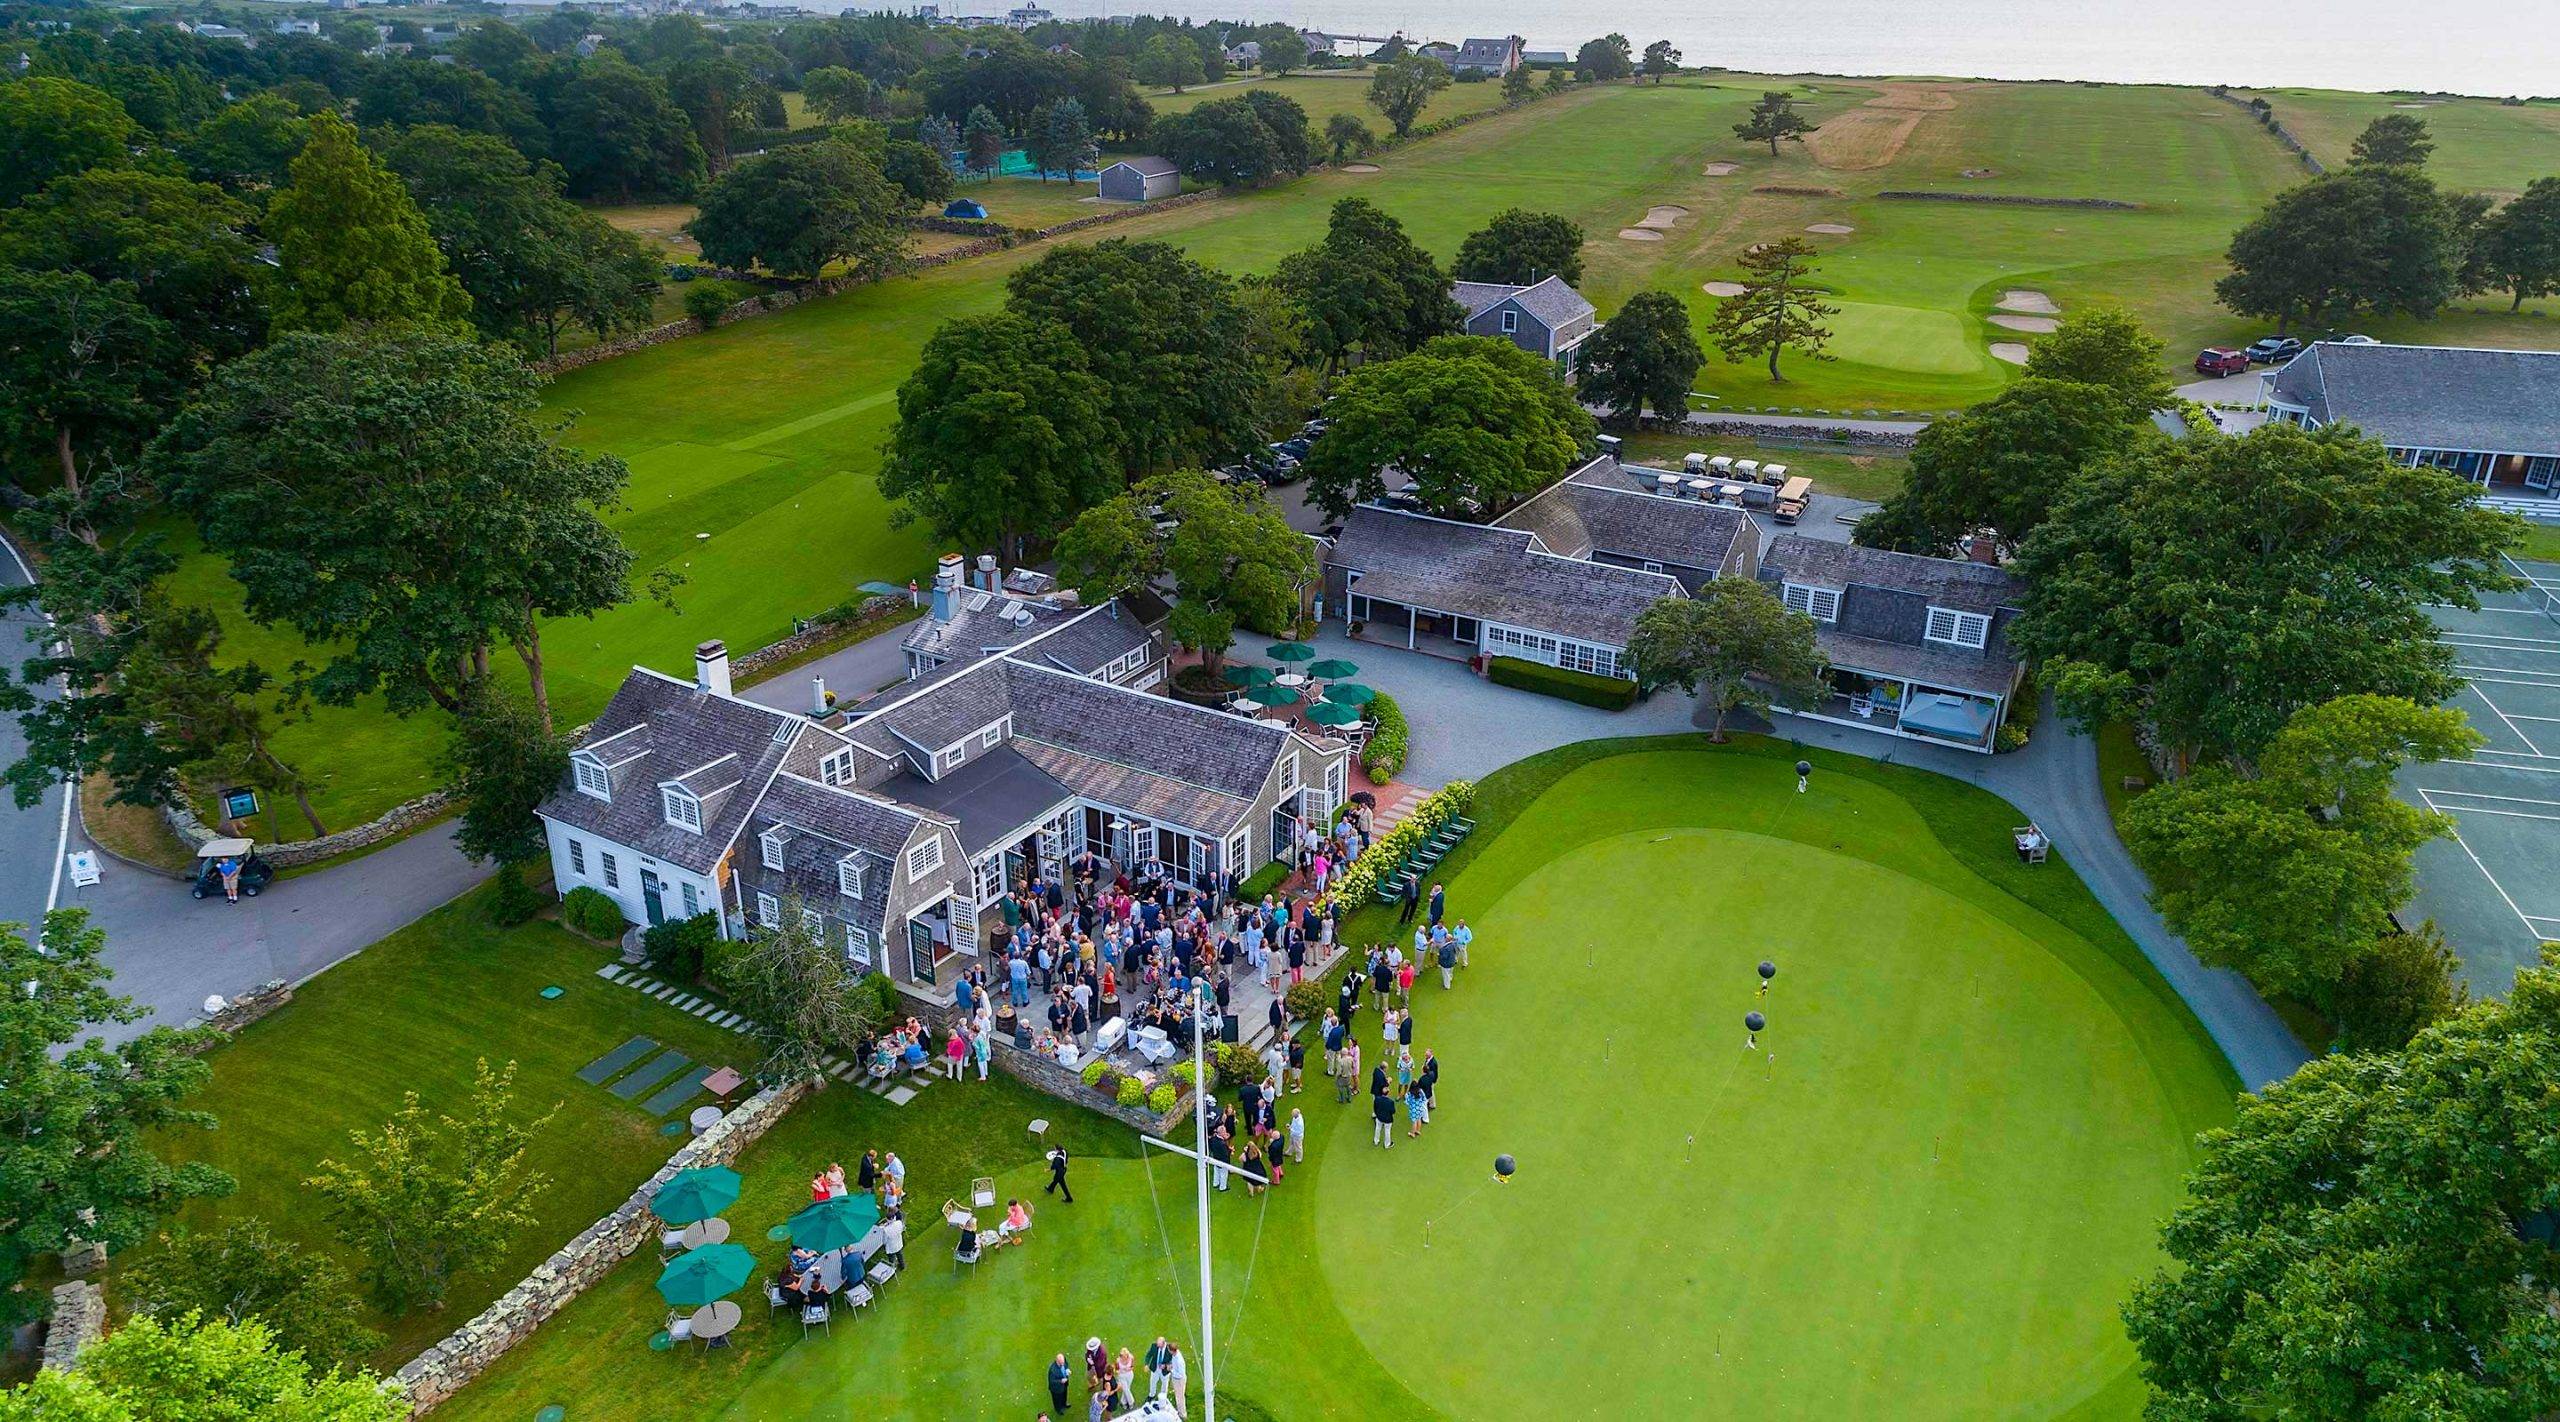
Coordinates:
1924 1199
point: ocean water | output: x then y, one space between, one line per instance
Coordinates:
2484 47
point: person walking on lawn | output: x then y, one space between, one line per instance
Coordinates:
1159 1354
1448 960
1059 1376
1429 1080
1439 902
1058 1175
1177 1383
1382 1115
1345 1079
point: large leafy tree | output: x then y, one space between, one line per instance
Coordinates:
1345 134
2517 249
1779 309
1733 645
797 210
2217 586
1167 337
2001 466
2393 138
1609 57
2254 880
185 247
1476 423
1772 119
51 126
248 147
429 1199
836 93
719 97
246 1272
400 93
2405 985
2372 1237
1646 354
1282 50
923 175
2106 347
1519 247
618 134
982 141
351 247
1233 558
531 260
1285 119
190 1368
1368 288
805 1001
502 763
1223 141
78 1161
1061 139
1660 60
1402 88
1004 434
2372 238
386 493
1168 61
85 369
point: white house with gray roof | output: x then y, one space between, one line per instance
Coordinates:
1546 318
1494 57
893 827
1917 645
2492 416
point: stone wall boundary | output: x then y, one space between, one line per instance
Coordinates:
2013 200
462 1355
2268 121
79 1317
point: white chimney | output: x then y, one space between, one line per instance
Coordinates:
817 696
946 586
711 667
987 573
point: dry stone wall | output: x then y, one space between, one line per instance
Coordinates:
79 1316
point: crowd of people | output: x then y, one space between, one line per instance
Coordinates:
1111 1380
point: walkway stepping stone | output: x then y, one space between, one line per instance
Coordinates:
658 1070
609 971
678 1092
602 1069
901 1095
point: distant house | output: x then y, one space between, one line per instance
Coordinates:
1247 55
1025 16
1545 58
1495 57
1441 50
1547 318
224 32
291 26
1917 645
1141 180
1063 50
973 616
2491 416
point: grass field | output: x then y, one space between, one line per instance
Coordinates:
413 1013
2481 144
1324 95
765 434
1927 1203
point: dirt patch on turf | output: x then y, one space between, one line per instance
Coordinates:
1872 134
2011 351
1723 288
1723 170
2038 325
1981 173
1359 167
1832 229
2032 303
1662 217
2414 106
1638 234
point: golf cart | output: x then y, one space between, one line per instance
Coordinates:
255 873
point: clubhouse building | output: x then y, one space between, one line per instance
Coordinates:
2492 416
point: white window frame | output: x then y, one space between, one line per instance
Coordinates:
949 759
594 781
683 809
924 858
857 946
1510 323
1819 603
991 737
1288 771
814 921
771 846
986 878
768 910
612 870
577 858
836 769
1239 850
692 899
849 877
1958 629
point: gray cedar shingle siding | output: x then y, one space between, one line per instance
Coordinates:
1140 179
1552 314
1885 599
2431 397
1492 574
687 729
1594 514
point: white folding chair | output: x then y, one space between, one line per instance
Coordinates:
982 1191
773 1298
857 1297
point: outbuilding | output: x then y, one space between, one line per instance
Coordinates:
1141 180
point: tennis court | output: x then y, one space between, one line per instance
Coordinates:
2495 888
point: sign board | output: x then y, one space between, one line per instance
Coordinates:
239 803
84 868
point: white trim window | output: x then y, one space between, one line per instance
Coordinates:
683 810
836 769
593 779
948 760
770 846
849 877
1239 850
612 871
1958 629
577 859
768 910
857 946
987 878
991 737
924 858
692 899
815 922
1820 604
1288 771
1511 323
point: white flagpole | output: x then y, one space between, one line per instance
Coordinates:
1202 1004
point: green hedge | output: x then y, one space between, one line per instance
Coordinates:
1263 881
680 946
593 913
1358 880
1389 738
1609 693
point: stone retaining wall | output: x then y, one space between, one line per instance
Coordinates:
447 1366
79 1316
1039 1072
875 608
240 1011
394 822
2269 123
2014 200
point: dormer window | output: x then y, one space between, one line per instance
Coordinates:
1820 604
836 769
945 762
1958 629
593 778
924 859
683 811
771 844
849 876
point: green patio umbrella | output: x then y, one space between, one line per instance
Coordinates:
1332 669
1350 693
1277 695
1241 675
698 1276
691 1195
1332 713
832 1224
1292 652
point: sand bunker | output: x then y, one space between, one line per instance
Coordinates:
2010 351
1661 217
1722 170
2033 303
1639 234
1359 167
1791 190
1724 288
1832 229
2037 324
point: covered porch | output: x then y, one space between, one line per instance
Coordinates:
1410 626
1900 706
2519 483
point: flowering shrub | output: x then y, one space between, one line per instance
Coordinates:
1356 883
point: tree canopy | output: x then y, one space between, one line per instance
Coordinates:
1367 287
1609 57
1520 248
351 246
190 1367
1226 142
2106 347
1774 118
2393 138
1733 645
2372 238
1646 354
2001 466
246 1271
1779 309
2517 248
51 126
797 210
1169 62
1402 88
1476 422
1660 60
1233 558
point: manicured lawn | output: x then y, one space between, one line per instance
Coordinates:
1855 476
2119 757
1927 1203
1324 95
1028 202
2481 145
414 1013
2541 541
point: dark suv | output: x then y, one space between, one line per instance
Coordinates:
2267 350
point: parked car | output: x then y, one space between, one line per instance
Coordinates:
1404 499
255 873
2266 350
1296 449
2357 341
2221 360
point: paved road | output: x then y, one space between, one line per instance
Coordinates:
31 840
851 673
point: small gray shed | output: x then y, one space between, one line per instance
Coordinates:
1140 180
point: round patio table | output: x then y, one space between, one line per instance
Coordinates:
704 1118
1288 679
714 1320
711 1231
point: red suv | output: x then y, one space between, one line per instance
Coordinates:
2221 360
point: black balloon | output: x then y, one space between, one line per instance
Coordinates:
1804 767
1754 1021
1503 1165
1768 970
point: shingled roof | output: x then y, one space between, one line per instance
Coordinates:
2430 397
682 731
1595 511
1550 300
1504 575
1958 583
